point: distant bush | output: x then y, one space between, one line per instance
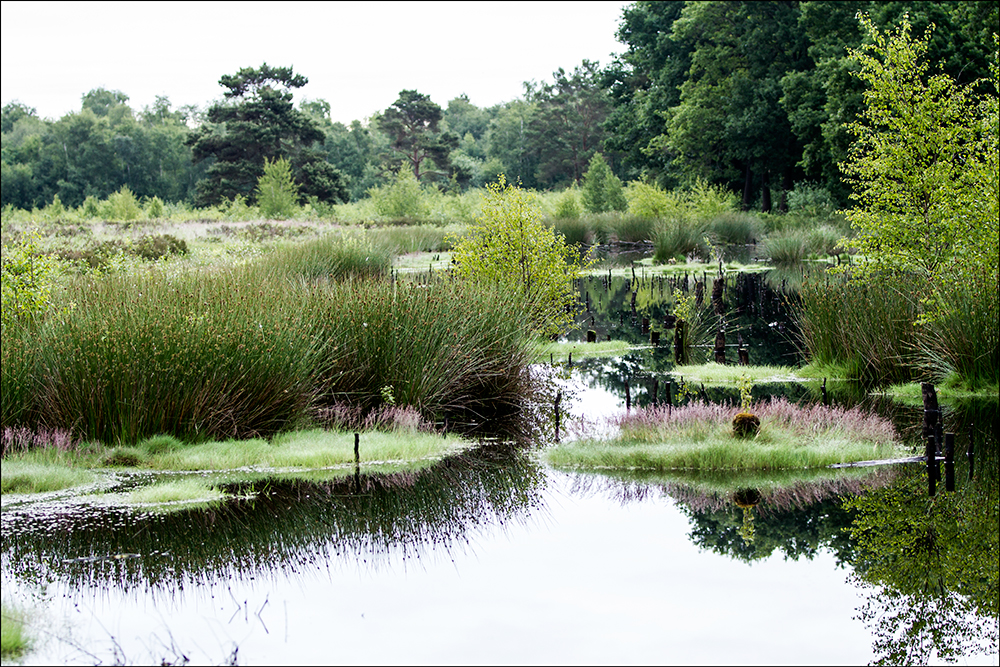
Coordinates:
403 198
161 245
122 206
568 207
277 193
602 190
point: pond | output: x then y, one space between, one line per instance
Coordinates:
493 557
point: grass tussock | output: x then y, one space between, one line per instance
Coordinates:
698 436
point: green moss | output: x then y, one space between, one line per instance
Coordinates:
718 374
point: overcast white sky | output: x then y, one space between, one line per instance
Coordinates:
357 55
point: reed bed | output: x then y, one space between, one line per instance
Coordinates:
255 350
864 328
698 436
677 240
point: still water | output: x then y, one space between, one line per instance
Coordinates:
493 557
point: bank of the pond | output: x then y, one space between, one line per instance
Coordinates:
713 373
300 453
699 436
14 640
578 350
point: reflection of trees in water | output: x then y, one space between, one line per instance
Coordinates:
286 526
794 516
754 310
931 566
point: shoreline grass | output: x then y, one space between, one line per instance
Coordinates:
14 638
698 436
580 350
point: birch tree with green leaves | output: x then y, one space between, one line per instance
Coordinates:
924 166
511 246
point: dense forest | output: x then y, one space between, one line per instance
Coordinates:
752 96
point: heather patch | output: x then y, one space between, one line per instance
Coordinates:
699 436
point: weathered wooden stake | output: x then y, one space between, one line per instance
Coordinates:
744 357
569 362
558 399
656 392
931 455
679 342
591 336
949 461
670 394
720 346
654 338
628 396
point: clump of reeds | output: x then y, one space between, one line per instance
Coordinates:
331 258
254 350
864 328
735 228
676 239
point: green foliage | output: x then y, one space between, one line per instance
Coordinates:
649 201
330 258
602 190
123 206
161 245
277 192
568 206
14 640
154 208
402 199
510 245
28 278
925 163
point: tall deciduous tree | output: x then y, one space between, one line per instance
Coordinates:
925 164
412 125
256 123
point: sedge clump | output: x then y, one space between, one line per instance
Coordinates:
745 424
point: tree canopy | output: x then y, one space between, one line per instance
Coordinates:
258 122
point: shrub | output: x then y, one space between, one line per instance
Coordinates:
122 206
403 198
602 190
649 201
26 279
161 245
785 249
277 193
510 245
155 208
568 206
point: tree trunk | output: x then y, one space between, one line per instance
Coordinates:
747 189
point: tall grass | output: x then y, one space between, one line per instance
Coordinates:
255 350
735 228
867 329
961 344
677 239
331 258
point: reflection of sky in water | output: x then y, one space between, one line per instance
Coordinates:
594 581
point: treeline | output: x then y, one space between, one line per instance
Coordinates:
751 96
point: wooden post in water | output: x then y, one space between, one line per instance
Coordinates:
654 338
357 450
569 362
679 342
656 392
670 394
628 396
591 336
949 461
558 399
744 356
931 455
720 346
699 293
357 465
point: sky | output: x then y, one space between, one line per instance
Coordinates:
357 55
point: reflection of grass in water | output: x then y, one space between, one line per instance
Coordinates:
698 436
189 489
39 477
579 350
714 490
14 640
713 373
